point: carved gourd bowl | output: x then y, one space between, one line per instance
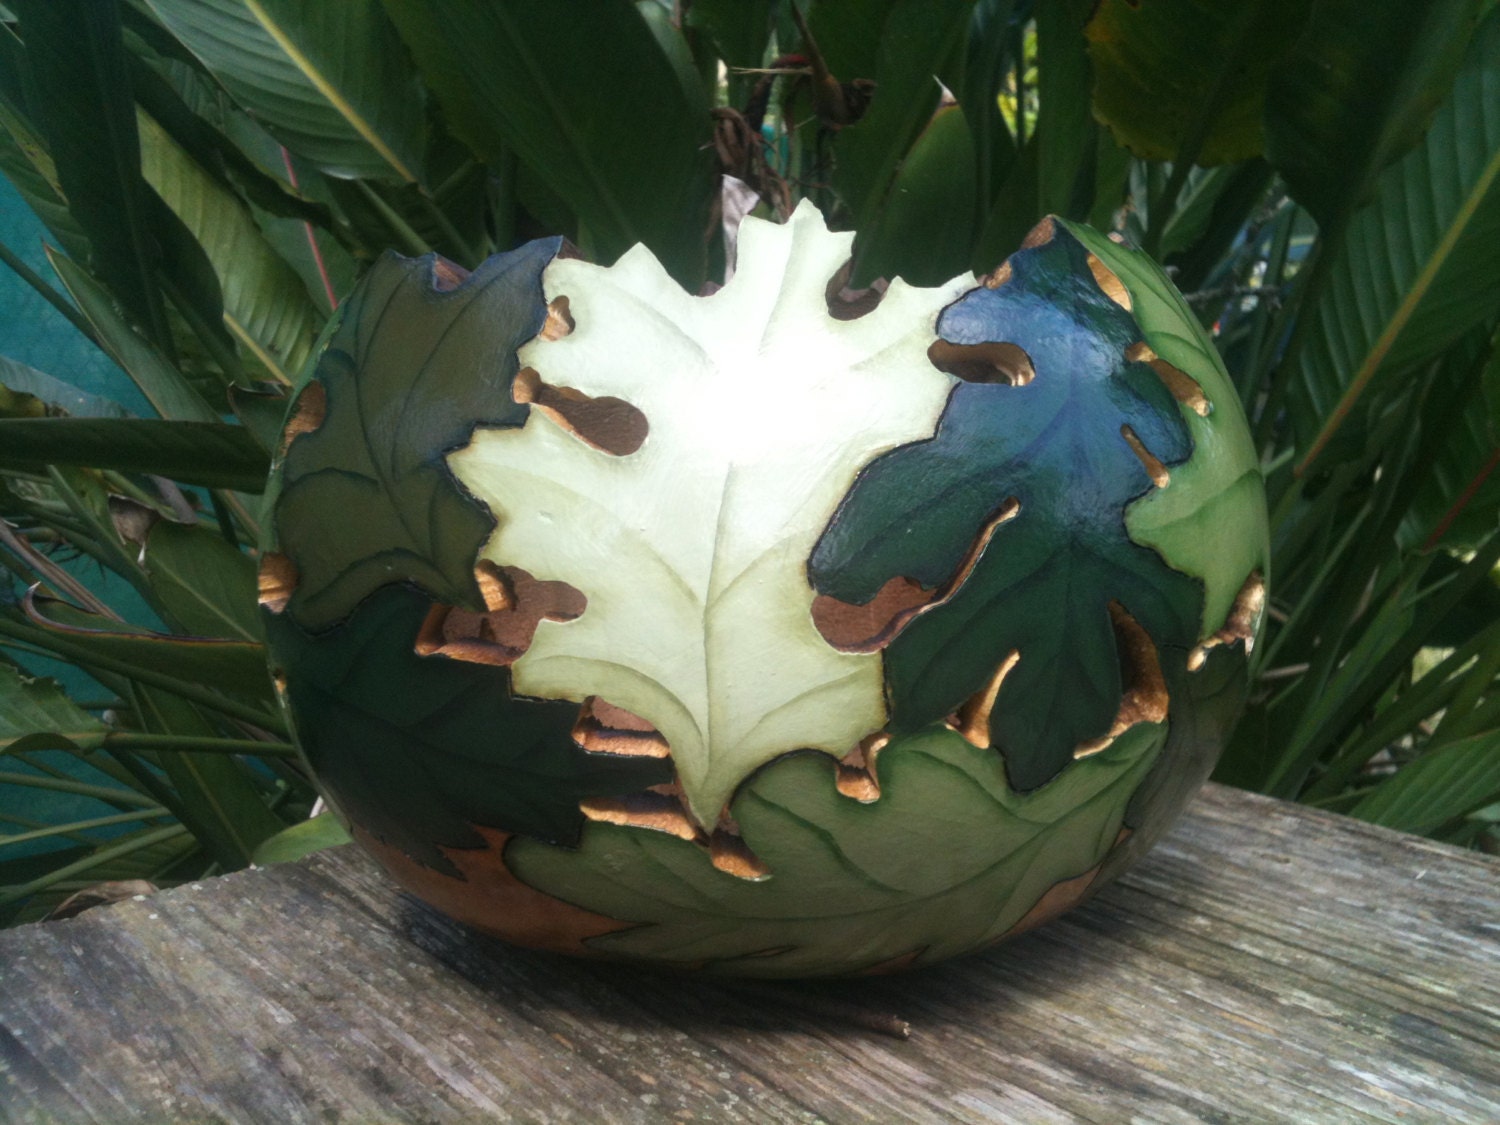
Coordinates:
779 631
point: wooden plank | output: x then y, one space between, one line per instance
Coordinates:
1265 962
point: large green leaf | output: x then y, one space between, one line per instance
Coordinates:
1053 445
29 707
1415 270
1355 92
237 666
205 587
408 372
1065 129
215 796
287 195
332 81
86 112
266 305
207 453
589 102
1188 74
30 170
312 835
164 386
918 38
1438 787
925 231
50 396
948 857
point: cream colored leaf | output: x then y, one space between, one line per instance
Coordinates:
692 550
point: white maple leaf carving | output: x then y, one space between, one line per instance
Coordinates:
692 550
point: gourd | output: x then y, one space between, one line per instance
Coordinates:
764 632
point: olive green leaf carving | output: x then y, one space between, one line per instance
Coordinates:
418 749
754 410
947 859
409 371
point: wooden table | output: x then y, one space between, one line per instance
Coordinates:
1265 963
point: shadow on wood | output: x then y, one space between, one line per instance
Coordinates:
1265 962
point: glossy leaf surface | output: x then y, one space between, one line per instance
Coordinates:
332 81
588 149
1443 785
266 306
205 586
311 835
931 206
1042 586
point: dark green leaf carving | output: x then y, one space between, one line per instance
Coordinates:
1043 586
408 374
417 749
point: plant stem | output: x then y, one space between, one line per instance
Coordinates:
102 856
189 743
52 296
60 579
78 789
83 825
410 239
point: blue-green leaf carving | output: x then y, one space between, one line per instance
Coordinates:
1057 447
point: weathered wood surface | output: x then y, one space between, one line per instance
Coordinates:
1265 963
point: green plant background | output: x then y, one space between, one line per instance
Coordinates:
1322 180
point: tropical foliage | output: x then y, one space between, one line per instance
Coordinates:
1322 179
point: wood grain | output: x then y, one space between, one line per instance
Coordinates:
1264 963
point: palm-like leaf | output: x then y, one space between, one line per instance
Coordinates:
1416 267
266 305
331 81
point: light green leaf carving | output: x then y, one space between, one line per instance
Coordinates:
692 550
947 859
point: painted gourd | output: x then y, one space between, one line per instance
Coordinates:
761 632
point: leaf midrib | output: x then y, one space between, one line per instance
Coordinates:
328 90
1407 308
